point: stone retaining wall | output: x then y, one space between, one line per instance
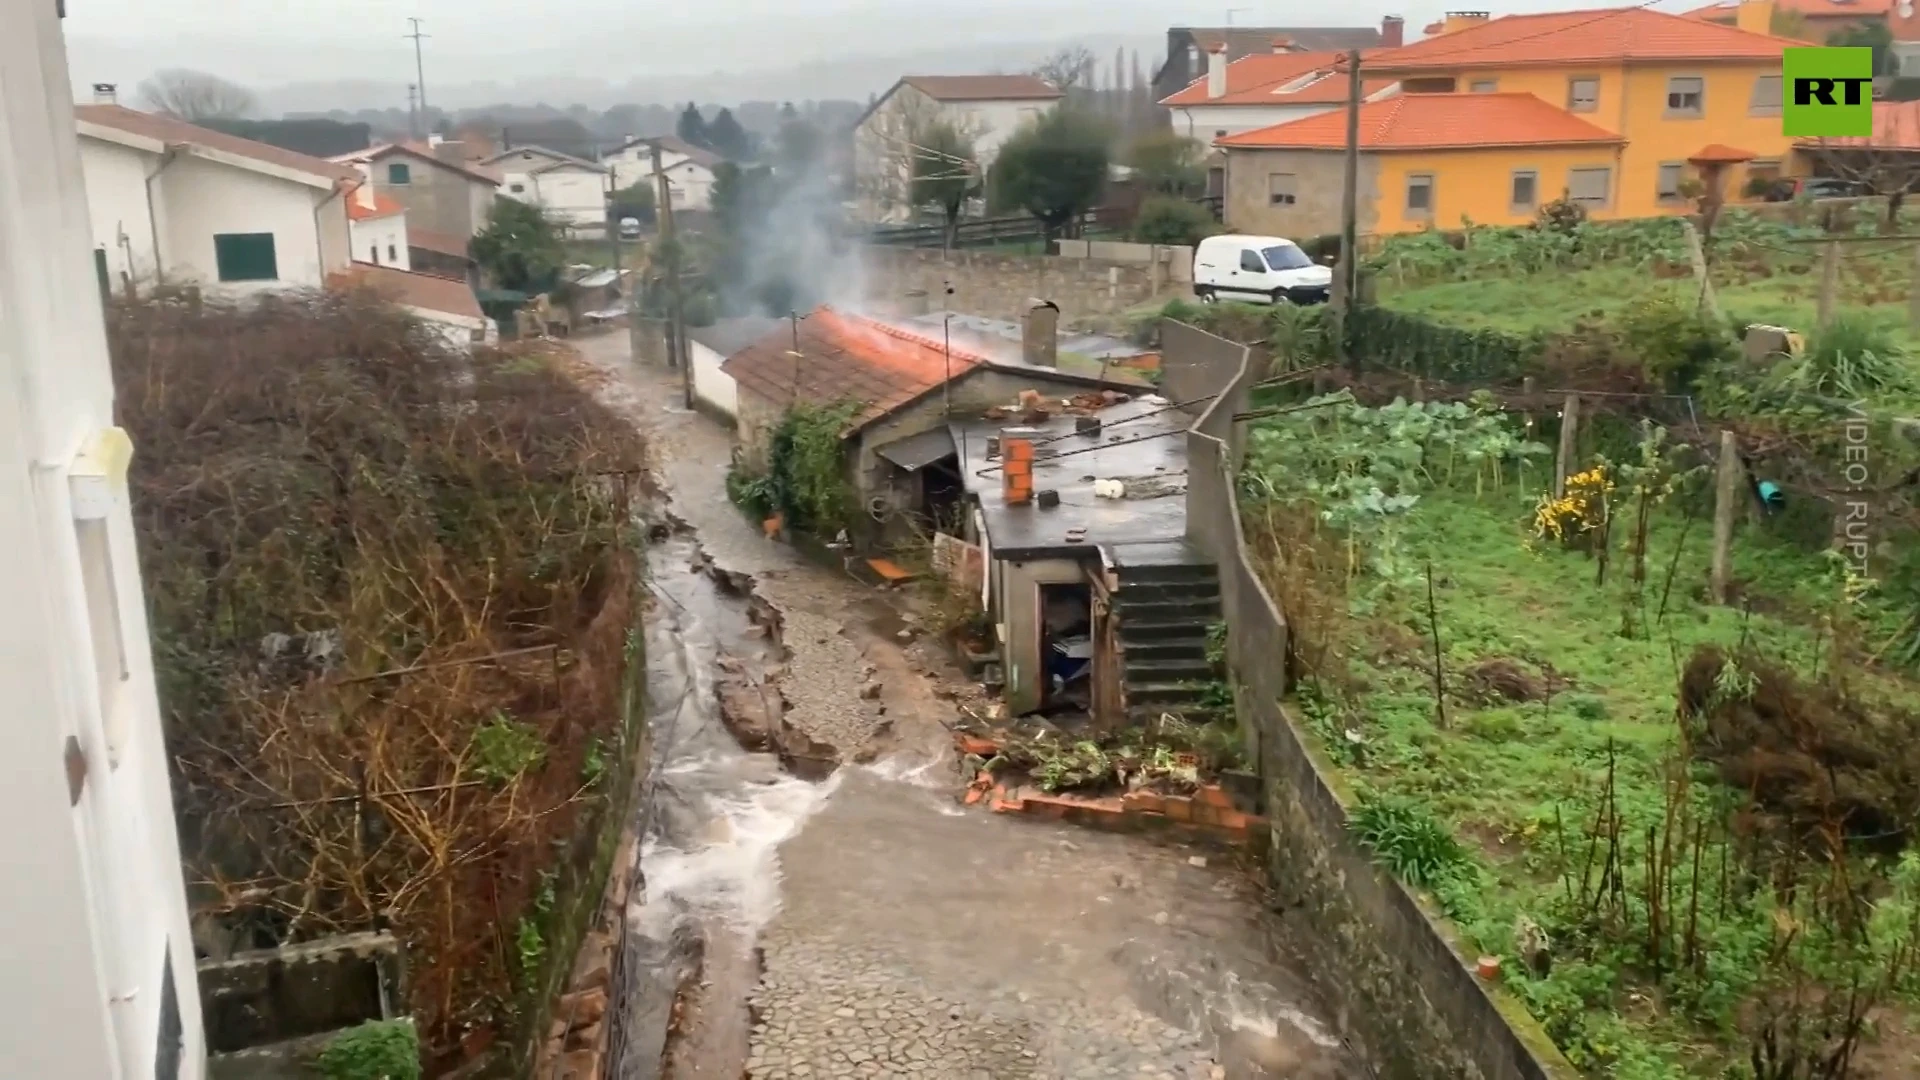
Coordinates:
1401 991
1091 293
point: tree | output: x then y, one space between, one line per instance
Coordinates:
1053 168
799 147
1167 220
692 127
945 175
194 96
1873 35
1787 23
1887 172
1167 162
520 248
634 201
1069 69
727 138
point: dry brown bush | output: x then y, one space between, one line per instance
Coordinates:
319 467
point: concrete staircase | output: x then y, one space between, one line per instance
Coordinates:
1165 608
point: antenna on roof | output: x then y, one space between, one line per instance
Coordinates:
946 325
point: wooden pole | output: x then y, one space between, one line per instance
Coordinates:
1569 431
1697 253
1829 283
676 316
1345 281
1726 495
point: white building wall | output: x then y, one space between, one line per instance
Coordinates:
635 163
457 330
382 241
97 900
691 185
203 198
1207 122
575 195
117 208
880 157
710 384
480 200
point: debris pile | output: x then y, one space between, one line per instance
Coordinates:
1035 408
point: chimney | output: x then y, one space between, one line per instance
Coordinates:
434 139
1755 16
1016 465
1217 71
1461 20
1040 334
1282 46
1393 32
106 93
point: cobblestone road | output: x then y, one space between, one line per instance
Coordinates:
918 939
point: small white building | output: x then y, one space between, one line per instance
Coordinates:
100 980
445 305
181 204
1263 90
378 226
985 109
689 169
571 189
708 347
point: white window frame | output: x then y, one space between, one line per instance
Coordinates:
1699 109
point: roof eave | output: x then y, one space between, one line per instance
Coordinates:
1436 146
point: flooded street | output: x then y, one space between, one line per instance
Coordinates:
863 923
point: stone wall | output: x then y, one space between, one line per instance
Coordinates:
268 1011
1399 988
1092 294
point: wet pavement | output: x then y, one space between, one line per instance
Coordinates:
865 924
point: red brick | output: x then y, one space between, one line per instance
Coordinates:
978 747
1177 808
1214 796
1147 802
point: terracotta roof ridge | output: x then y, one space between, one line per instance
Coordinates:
903 334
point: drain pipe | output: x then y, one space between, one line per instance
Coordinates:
167 158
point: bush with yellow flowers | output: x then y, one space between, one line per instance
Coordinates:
1580 511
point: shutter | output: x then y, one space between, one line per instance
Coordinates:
245 257
100 269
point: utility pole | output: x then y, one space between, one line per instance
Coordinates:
676 329
613 226
1347 278
413 110
419 66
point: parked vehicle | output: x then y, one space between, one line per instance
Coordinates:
1259 269
629 228
1786 189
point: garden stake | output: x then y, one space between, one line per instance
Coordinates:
1439 676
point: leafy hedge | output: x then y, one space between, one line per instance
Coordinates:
1417 346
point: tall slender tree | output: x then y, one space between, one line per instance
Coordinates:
693 127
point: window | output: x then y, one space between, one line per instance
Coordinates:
1762 178
1525 190
1420 195
1280 189
1766 96
399 173
373 254
477 336
245 257
1667 181
1686 96
1427 86
1484 86
1287 257
1583 94
1250 260
393 252
516 188
1590 186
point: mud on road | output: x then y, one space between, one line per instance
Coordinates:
847 918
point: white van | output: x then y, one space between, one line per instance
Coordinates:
1259 269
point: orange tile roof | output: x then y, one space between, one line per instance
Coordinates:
1633 35
383 206
1432 122
166 129
1812 9
845 357
1721 152
424 291
1257 80
1896 126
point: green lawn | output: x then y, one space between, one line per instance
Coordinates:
1782 293
1517 782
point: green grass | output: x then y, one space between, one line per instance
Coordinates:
1785 295
1517 782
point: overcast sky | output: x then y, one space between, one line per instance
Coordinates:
265 44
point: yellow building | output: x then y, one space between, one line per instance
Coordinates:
1610 108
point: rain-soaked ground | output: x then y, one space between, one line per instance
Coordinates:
864 924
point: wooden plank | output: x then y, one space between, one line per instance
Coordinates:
891 571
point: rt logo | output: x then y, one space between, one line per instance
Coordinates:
1829 92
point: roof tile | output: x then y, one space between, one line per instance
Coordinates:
846 357
1259 79
1607 35
1431 122
169 130
1864 10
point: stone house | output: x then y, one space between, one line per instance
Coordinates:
442 190
984 109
